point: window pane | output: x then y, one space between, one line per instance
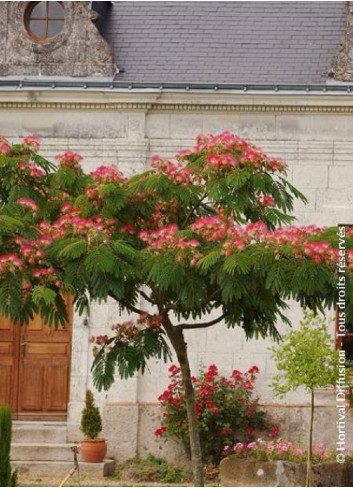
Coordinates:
56 11
39 11
54 27
37 28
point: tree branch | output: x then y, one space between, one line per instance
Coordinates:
202 325
128 307
135 309
172 307
193 208
146 297
210 297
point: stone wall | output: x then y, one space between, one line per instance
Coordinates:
314 135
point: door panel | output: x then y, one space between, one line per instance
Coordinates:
6 374
31 387
35 368
56 388
9 338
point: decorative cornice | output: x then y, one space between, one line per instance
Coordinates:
252 108
76 105
180 107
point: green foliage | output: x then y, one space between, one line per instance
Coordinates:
9 225
43 163
8 478
69 180
128 357
306 358
91 421
73 249
41 293
152 469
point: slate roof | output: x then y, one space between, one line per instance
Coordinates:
224 42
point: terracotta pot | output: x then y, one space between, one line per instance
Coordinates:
93 451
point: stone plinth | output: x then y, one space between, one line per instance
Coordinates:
257 473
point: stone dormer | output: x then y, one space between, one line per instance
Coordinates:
52 39
342 66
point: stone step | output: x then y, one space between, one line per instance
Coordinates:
39 433
42 452
59 470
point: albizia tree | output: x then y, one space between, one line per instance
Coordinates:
197 240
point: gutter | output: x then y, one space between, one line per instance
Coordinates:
109 85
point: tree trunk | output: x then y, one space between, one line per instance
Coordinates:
177 339
309 472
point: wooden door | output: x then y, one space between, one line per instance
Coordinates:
37 385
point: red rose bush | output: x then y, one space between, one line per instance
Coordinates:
226 409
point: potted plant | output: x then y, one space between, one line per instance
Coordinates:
93 449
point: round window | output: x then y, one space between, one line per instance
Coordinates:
44 20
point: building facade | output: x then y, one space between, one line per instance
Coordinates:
121 81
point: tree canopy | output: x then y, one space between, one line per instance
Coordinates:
306 358
201 233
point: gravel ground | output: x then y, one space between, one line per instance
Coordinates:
87 482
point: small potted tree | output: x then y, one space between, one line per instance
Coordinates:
93 449
306 359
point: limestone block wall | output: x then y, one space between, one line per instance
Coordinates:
314 136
